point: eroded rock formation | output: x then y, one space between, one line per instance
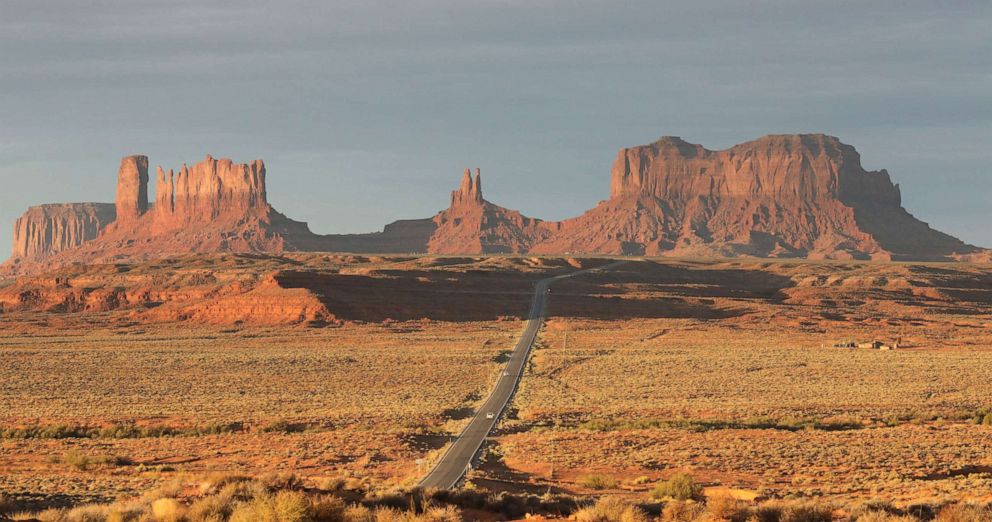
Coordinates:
778 196
48 229
132 190
474 225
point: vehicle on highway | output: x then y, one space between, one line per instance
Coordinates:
490 415
506 374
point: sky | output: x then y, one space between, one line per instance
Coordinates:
368 111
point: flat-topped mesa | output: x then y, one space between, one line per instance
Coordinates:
132 189
801 195
805 167
470 191
48 229
211 189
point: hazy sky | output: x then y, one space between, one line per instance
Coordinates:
368 111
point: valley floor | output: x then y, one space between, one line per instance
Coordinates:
732 371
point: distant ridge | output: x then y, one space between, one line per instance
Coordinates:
797 196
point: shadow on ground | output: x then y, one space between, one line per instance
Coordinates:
638 289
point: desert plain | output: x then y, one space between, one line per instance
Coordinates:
764 380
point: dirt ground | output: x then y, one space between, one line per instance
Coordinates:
364 401
729 370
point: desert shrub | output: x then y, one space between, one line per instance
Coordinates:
806 513
274 481
387 514
282 426
354 484
216 507
767 513
127 430
167 510
116 515
923 511
214 482
598 482
441 514
82 462
965 513
461 497
284 506
171 489
292 506
328 508
390 499
79 514
358 513
728 509
682 511
872 508
884 516
78 460
259 509
332 484
983 416
509 505
561 504
680 486
611 509
117 461
51 515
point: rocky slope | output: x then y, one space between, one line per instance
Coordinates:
779 196
472 224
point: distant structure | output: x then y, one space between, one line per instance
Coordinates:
870 345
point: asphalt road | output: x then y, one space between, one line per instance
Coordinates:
448 471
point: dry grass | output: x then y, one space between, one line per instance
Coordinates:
352 374
246 401
680 486
611 509
245 500
598 482
722 369
729 370
239 499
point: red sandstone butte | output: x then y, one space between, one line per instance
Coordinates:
48 229
778 196
804 196
132 190
473 225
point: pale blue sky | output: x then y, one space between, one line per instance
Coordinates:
367 111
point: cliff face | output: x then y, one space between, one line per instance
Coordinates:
132 189
48 229
808 167
778 196
215 205
210 190
473 225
